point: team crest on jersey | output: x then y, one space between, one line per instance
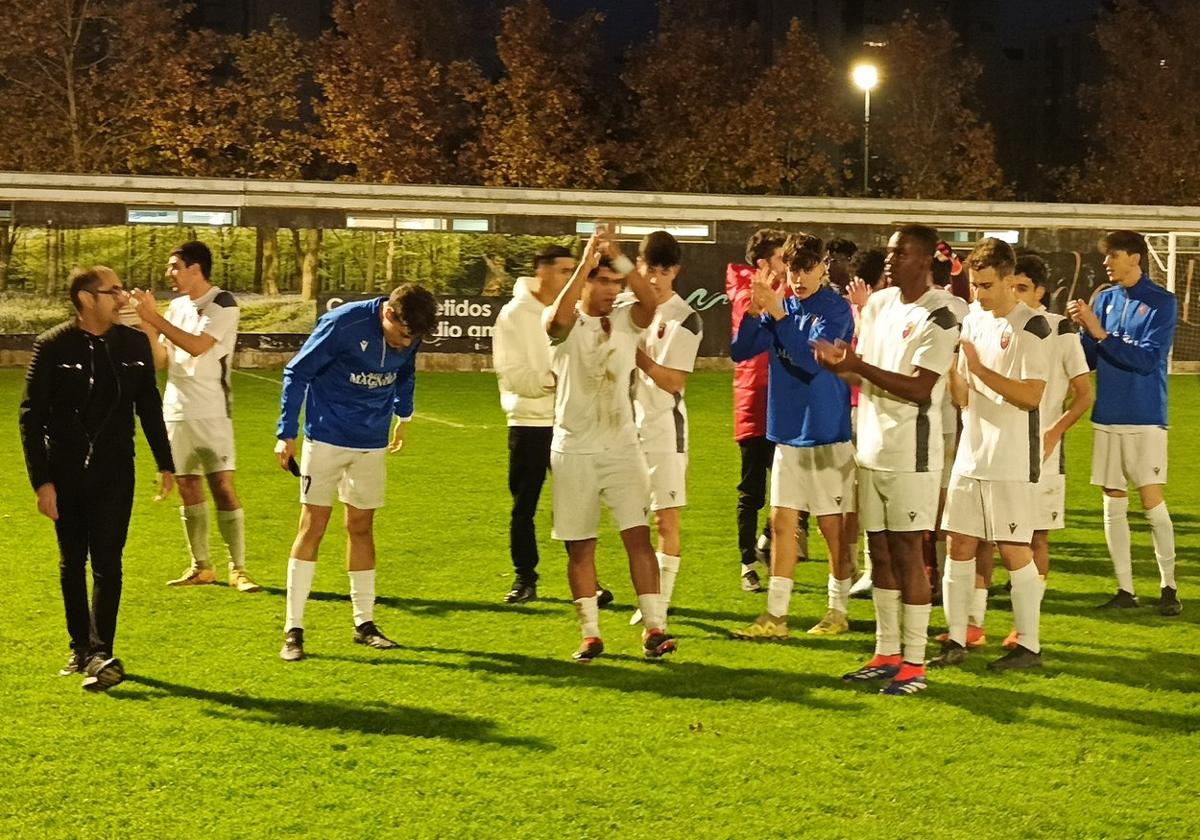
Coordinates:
1143 309
908 329
606 325
1005 339
662 330
363 344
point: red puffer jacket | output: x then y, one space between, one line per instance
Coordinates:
750 376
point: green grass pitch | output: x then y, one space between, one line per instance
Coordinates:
480 725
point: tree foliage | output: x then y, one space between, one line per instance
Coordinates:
930 141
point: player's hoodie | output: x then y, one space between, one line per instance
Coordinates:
350 381
1131 363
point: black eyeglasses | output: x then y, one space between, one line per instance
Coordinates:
115 291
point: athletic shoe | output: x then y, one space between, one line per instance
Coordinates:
293 645
522 592
103 672
239 580
766 626
879 668
1017 658
657 644
194 577
603 596
861 588
834 623
976 637
1169 604
1011 640
902 688
371 636
76 663
750 580
762 549
1121 601
952 654
589 649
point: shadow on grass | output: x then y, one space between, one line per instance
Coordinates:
432 607
671 679
369 718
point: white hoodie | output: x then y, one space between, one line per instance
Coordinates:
521 358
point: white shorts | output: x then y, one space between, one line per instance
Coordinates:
358 475
897 501
619 478
999 511
949 449
1129 457
201 447
818 479
668 479
1050 501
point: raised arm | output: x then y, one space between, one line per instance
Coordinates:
643 290
559 317
193 344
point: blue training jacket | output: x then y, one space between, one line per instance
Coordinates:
1131 363
806 404
350 381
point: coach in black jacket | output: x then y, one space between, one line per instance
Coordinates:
87 377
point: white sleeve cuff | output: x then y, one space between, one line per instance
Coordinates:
407 419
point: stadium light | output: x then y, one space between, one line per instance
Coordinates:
866 77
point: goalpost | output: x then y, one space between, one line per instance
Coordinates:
1175 264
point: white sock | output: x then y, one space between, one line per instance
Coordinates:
958 587
299 584
916 632
1162 533
232 525
1116 534
887 621
195 528
978 607
588 612
839 594
668 568
779 595
362 595
1026 605
654 614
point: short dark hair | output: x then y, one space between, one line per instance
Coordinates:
82 280
993 253
661 249
841 247
605 263
1129 241
762 244
549 254
923 235
195 253
1035 268
869 264
802 251
416 308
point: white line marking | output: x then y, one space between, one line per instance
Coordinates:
418 415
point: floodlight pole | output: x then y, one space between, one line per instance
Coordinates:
866 141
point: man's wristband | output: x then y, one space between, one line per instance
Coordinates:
622 265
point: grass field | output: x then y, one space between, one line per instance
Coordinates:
480 725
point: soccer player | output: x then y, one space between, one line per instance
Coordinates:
1067 376
521 357
808 418
354 373
907 339
666 357
595 455
1127 336
195 343
764 249
86 379
998 382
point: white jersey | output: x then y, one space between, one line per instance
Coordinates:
896 435
672 340
1067 361
198 387
1001 442
949 410
594 367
